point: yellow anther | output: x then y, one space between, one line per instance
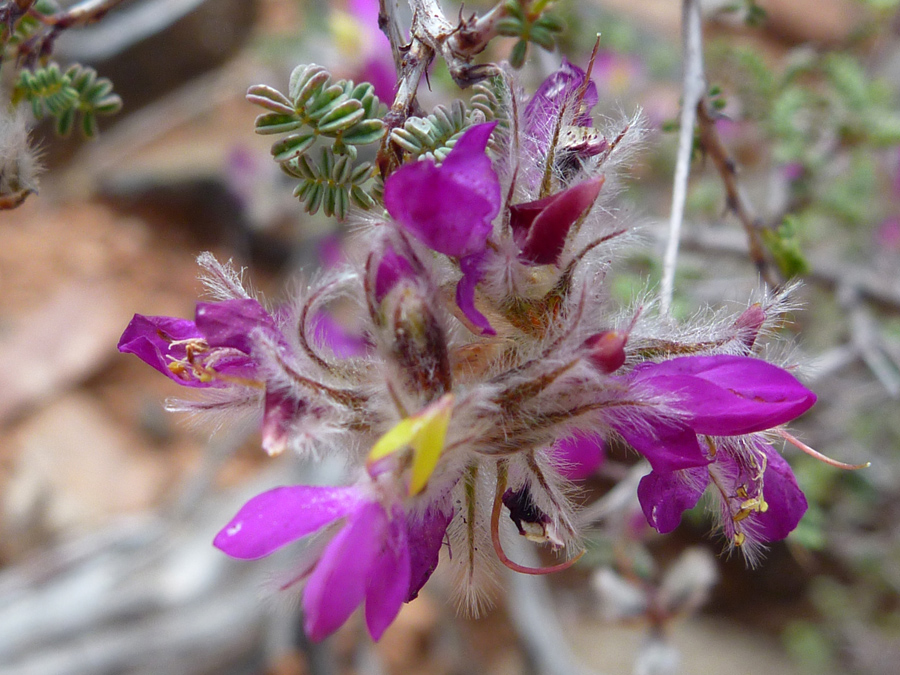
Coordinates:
425 434
176 367
750 505
741 515
739 538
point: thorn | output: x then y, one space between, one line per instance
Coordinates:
582 90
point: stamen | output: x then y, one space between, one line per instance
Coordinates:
818 455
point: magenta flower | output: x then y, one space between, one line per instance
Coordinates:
377 65
450 208
666 495
887 236
725 396
210 351
757 492
559 114
343 343
771 507
380 556
216 350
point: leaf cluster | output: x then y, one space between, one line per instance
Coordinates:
17 27
66 95
786 251
829 122
317 108
332 183
530 21
433 136
815 95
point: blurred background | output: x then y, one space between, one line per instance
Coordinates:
108 504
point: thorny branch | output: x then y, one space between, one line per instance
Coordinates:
82 14
737 202
431 35
692 94
40 45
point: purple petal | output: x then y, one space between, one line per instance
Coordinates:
448 208
748 325
378 67
665 496
729 395
379 71
549 227
606 350
468 164
276 518
391 269
229 323
579 456
389 577
338 584
426 535
150 338
786 501
343 343
668 446
544 107
472 269
281 412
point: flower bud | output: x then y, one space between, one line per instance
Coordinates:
749 323
281 412
418 345
606 350
391 270
540 227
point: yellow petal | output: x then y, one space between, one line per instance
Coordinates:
429 443
425 433
396 439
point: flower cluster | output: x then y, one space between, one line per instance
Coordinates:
488 373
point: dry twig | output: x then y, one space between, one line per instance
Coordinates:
431 35
81 14
692 93
736 200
